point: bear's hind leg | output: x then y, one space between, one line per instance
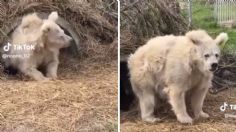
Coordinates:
147 105
146 98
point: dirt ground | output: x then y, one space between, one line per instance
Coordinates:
84 98
131 121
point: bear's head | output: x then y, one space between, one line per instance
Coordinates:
53 36
206 53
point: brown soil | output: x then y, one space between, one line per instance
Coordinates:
84 98
131 122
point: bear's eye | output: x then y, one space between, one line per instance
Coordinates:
61 37
217 55
206 55
48 29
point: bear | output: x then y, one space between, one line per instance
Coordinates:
171 67
30 23
44 39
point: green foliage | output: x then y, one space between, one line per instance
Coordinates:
202 15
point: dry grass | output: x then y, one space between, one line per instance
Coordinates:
84 98
131 122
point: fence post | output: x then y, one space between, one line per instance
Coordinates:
189 13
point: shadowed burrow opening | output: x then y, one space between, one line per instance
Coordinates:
71 51
126 93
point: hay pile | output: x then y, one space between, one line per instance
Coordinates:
141 20
94 21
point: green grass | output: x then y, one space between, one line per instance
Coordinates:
202 17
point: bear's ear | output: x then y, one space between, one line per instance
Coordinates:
53 16
195 41
196 36
221 39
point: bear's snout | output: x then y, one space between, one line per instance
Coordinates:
68 41
214 66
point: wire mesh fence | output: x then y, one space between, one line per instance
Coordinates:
223 11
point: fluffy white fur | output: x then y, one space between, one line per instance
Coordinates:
169 67
47 37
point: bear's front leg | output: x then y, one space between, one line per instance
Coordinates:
177 101
52 69
33 73
197 98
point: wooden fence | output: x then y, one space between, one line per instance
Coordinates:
225 12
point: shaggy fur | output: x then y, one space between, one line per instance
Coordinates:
47 38
169 66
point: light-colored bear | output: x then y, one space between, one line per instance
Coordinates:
169 67
46 39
